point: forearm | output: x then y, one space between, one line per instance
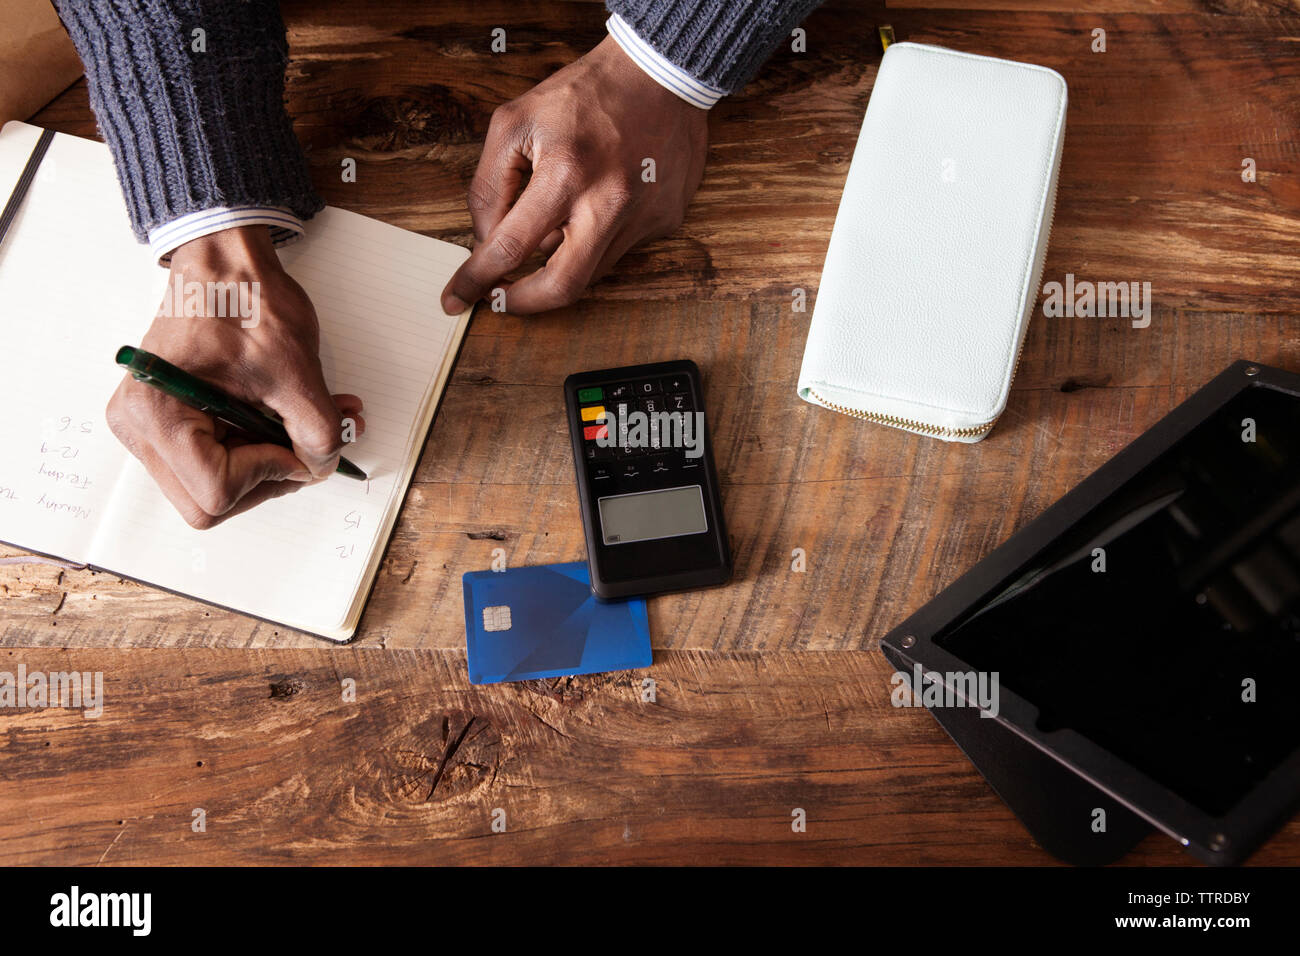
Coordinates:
721 43
192 124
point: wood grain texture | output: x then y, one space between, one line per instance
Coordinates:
886 519
771 693
1150 191
585 771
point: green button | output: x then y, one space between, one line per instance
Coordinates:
590 394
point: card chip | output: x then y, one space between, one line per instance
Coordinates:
496 618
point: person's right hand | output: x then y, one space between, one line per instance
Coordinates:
270 359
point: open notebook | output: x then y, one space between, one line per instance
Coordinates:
75 285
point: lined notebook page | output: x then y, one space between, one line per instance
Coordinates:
307 559
74 285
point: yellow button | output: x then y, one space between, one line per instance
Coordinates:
595 413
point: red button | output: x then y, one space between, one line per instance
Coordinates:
592 432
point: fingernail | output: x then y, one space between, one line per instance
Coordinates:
300 476
453 305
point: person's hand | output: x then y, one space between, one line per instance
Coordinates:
268 356
584 134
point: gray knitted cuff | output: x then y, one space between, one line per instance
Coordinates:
722 43
194 120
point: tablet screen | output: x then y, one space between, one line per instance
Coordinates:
1165 625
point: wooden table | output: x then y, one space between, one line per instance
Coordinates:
771 695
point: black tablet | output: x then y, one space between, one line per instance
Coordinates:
1145 630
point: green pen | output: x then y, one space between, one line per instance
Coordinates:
196 393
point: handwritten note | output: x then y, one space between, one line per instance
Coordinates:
74 286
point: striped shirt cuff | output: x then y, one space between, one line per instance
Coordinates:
163 240
661 70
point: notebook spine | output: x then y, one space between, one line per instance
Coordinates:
25 181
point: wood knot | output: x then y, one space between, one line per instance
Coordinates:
287 688
1073 384
443 759
425 116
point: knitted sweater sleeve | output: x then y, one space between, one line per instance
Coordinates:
721 43
189 95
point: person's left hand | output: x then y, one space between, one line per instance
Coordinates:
584 134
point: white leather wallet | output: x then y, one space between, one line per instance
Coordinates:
938 246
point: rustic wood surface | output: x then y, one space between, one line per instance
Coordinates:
778 695
1150 191
584 770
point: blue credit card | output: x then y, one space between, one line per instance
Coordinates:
544 621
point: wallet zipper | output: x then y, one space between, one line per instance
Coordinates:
939 431
908 423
